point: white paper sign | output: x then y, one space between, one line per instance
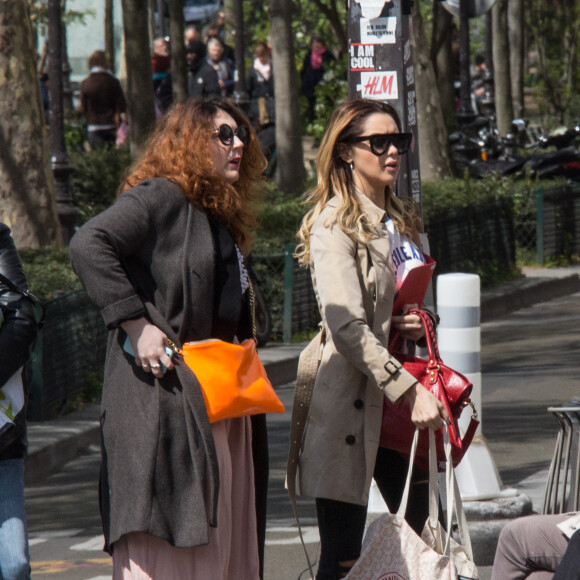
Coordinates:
379 85
372 8
378 30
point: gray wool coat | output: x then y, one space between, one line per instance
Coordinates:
152 254
355 287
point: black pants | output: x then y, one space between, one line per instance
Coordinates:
341 524
261 476
100 139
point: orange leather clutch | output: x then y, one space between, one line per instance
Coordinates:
232 377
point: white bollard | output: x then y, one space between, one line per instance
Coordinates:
459 340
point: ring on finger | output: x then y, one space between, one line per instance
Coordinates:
156 366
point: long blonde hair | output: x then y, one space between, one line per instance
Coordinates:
335 178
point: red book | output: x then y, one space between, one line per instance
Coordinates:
415 285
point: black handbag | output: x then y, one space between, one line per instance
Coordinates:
12 392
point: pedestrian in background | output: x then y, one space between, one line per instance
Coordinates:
222 66
315 63
346 242
102 101
180 498
161 65
260 89
202 79
18 330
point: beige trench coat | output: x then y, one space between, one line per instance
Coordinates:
355 287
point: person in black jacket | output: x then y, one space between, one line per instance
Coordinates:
164 262
315 63
17 335
202 79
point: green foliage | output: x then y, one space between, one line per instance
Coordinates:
553 30
49 272
39 14
280 217
96 177
74 136
330 91
448 194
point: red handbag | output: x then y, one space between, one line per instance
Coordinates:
449 386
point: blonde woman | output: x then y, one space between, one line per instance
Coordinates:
348 242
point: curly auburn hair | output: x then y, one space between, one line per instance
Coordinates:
179 150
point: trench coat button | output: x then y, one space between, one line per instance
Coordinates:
358 404
375 296
350 439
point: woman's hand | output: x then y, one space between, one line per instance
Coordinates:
148 344
427 411
409 325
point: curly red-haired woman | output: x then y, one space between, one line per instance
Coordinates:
166 260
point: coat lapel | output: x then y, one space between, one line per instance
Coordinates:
198 276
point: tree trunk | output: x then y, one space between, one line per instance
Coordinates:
435 162
291 171
442 61
501 67
109 34
140 98
26 187
178 70
517 54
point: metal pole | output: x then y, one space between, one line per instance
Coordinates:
488 98
288 291
66 70
160 18
240 96
465 112
61 168
540 225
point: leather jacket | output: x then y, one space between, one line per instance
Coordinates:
17 335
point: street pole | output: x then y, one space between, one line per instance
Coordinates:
160 18
66 70
240 96
61 168
465 113
488 99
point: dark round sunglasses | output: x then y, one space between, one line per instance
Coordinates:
380 143
226 134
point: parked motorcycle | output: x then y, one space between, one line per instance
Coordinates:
479 148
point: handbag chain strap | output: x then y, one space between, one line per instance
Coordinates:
253 310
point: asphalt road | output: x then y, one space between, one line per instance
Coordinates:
529 362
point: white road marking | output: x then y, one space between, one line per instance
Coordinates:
36 541
310 534
53 534
94 544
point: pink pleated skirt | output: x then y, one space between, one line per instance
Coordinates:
232 551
